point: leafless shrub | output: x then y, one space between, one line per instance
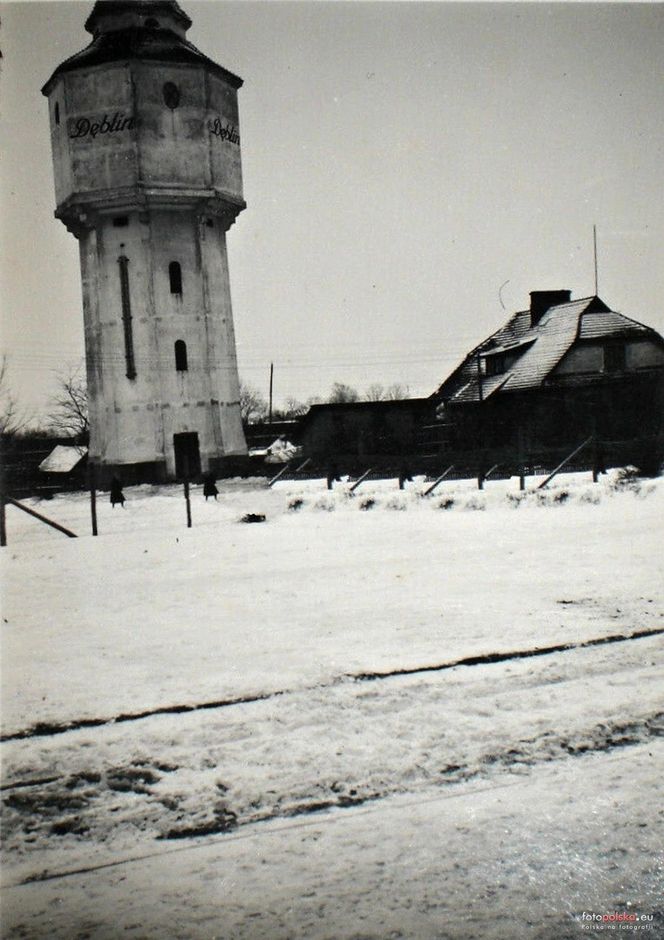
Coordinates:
69 406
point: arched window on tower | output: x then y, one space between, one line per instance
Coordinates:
175 276
181 356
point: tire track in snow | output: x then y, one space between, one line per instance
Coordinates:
615 738
49 729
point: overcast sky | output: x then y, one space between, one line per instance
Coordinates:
402 163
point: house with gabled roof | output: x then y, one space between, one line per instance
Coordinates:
554 374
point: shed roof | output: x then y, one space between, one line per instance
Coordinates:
63 458
538 348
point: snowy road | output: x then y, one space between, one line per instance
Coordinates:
498 799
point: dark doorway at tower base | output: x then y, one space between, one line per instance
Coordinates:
187 455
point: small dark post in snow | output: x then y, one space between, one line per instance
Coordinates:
93 497
187 501
3 513
596 460
280 474
480 476
564 462
522 462
440 479
405 476
360 480
490 471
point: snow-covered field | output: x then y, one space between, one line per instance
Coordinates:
206 700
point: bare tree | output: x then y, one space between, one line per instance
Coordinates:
343 393
69 406
396 392
375 392
292 408
13 418
253 406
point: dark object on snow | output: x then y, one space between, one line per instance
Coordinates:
404 476
332 475
209 488
253 517
117 496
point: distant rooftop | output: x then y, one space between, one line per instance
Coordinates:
534 347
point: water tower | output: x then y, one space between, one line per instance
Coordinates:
146 155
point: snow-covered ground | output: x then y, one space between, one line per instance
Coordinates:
270 633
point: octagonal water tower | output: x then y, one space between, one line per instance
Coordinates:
146 155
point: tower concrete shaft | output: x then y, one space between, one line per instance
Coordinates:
146 153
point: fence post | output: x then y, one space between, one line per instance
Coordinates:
564 462
480 477
280 474
360 480
38 515
93 497
435 483
3 508
595 460
187 501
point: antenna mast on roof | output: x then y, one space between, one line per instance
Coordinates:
595 254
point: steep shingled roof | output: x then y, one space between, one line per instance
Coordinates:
537 349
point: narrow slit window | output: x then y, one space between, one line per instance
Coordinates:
123 264
175 277
181 356
57 112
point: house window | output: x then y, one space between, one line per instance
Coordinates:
120 221
497 364
614 357
57 112
175 277
152 23
181 356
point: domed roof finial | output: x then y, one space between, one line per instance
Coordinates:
111 15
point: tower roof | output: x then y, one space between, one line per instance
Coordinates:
145 30
104 9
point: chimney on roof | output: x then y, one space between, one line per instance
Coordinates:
542 300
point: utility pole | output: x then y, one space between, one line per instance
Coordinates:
271 384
